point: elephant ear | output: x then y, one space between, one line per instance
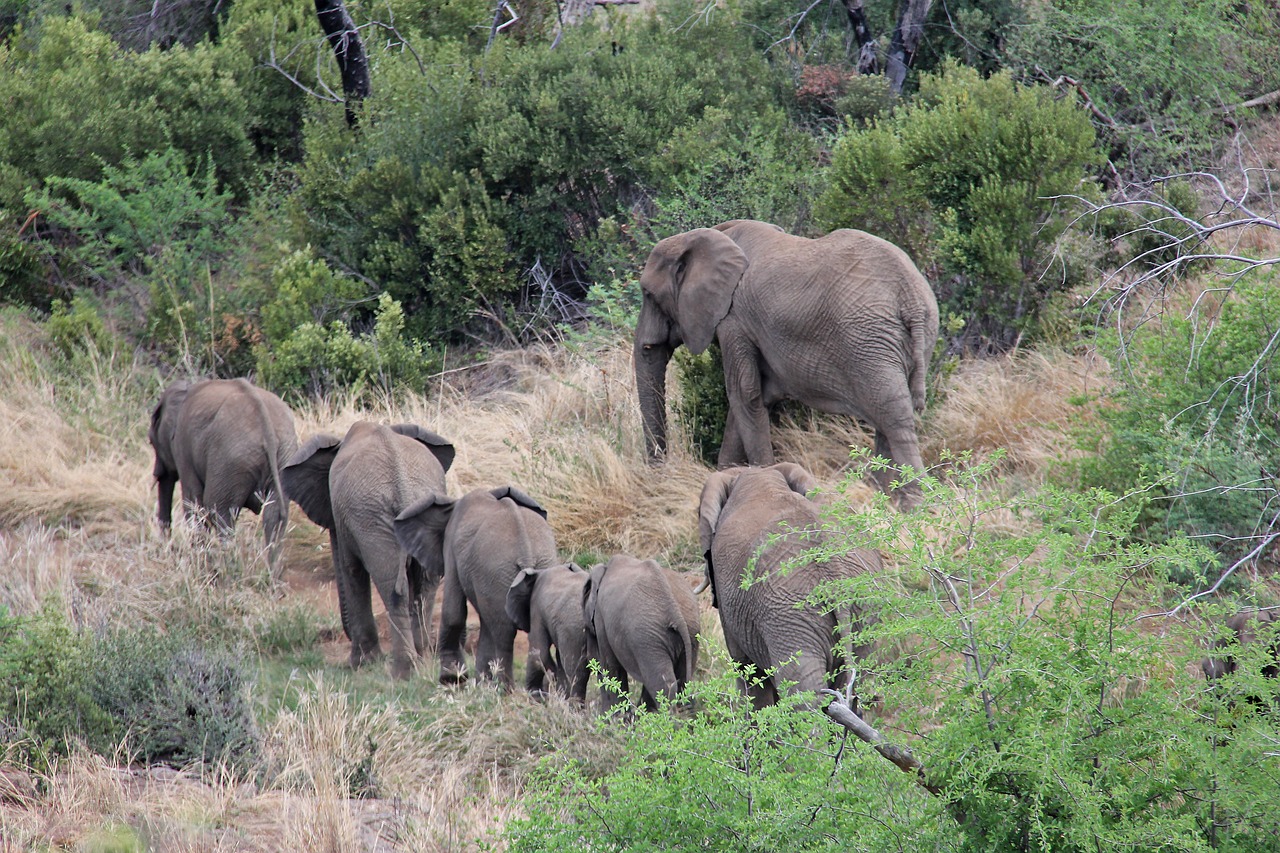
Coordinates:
692 276
519 497
591 597
520 596
305 477
420 531
439 446
798 479
714 495
725 227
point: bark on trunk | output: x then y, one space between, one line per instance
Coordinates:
905 42
348 49
868 62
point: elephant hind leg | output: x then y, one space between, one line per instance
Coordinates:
494 654
453 628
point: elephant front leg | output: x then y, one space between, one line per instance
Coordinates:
748 412
275 517
164 509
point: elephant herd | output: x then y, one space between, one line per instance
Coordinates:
845 324
380 493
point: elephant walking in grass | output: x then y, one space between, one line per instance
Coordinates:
642 622
547 604
354 487
488 536
844 323
757 523
224 440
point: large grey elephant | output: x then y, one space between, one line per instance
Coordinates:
760 520
224 440
354 487
487 536
642 621
844 323
547 604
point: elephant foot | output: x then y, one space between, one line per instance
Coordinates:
360 657
453 675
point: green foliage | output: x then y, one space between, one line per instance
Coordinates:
45 667
973 163
174 701
75 103
76 328
729 779
310 345
1158 69
1194 406
703 403
1012 630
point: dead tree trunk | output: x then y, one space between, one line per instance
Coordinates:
868 62
906 41
348 49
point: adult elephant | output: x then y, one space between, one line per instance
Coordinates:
224 441
547 604
354 487
844 323
760 522
642 621
487 536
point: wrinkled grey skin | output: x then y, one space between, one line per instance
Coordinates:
547 604
844 324
642 622
487 536
354 487
767 625
224 440
1244 629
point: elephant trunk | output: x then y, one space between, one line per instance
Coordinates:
651 388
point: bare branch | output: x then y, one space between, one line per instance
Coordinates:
901 757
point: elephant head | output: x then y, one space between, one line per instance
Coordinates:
688 285
715 494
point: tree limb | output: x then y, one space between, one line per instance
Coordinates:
900 757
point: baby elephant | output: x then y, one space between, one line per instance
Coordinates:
1244 628
488 537
225 441
642 621
547 603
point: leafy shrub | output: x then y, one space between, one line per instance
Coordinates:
727 779
310 345
45 667
1159 85
1194 407
172 700
703 403
175 701
973 163
77 327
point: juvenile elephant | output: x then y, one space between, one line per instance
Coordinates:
547 604
764 515
844 323
488 536
354 487
642 621
224 440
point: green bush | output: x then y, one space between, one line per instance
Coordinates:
76 328
1192 407
963 176
702 405
310 343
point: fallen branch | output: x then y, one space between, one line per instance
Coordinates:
1260 101
901 757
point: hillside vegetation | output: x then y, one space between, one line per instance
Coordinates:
1088 191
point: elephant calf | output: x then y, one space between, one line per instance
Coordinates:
224 441
354 487
755 521
547 604
642 621
487 538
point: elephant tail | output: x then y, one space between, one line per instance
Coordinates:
686 657
922 330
